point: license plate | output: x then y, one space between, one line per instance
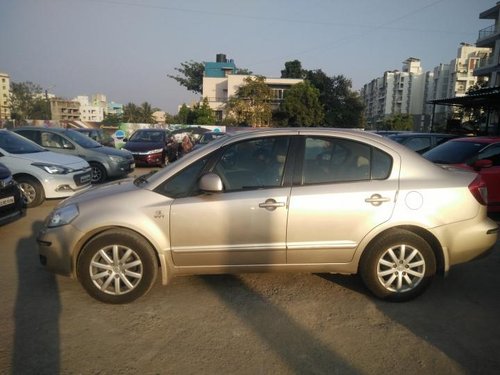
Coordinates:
6 201
132 165
85 178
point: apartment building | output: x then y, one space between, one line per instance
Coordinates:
220 83
411 91
397 92
489 37
91 111
4 96
64 110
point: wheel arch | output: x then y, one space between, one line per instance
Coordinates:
421 232
162 260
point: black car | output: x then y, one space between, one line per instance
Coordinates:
421 142
12 202
152 147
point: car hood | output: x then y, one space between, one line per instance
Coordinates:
111 190
50 157
113 151
134 146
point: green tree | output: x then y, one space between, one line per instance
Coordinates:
28 101
342 106
398 122
293 69
191 76
251 106
203 114
301 105
146 113
131 113
183 116
112 119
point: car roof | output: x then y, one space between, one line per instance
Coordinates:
58 130
482 139
421 133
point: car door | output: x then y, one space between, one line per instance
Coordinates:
342 190
246 223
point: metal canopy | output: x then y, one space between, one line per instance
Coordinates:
488 98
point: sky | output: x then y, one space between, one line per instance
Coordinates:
126 48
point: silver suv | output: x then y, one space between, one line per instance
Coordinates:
106 162
308 200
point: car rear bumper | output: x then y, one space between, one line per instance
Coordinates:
467 240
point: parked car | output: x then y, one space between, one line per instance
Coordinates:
41 173
97 135
309 200
208 137
421 142
152 147
12 203
479 154
106 162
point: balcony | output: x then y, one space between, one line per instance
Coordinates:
486 66
487 37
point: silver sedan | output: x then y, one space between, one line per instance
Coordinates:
300 200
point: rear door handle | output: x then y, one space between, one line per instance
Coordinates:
377 199
271 204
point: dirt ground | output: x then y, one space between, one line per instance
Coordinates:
242 324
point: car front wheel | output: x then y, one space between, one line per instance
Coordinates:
117 266
398 266
98 173
32 190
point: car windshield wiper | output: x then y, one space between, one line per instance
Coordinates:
144 178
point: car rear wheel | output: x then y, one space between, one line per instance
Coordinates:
98 173
32 190
398 266
117 266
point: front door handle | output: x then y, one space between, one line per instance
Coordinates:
377 199
271 204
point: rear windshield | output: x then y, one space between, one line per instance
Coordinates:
454 152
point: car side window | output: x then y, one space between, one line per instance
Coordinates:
331 160
491 153
52 140
183 184
254 164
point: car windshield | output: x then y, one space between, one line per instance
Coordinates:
454 152
82 139
396 138
148 136
16 144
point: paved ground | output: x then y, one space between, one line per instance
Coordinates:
245 324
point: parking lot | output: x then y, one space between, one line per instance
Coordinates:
244 324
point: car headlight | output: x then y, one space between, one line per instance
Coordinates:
62 216
156 151
116 159
53 168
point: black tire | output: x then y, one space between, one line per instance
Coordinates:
398 266
98 173
127 273
32 190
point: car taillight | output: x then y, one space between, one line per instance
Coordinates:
479 190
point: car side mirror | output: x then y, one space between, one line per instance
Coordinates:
125 139
211 183
483 163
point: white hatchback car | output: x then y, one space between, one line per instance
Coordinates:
41 173
306 200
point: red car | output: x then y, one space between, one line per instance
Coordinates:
481 154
